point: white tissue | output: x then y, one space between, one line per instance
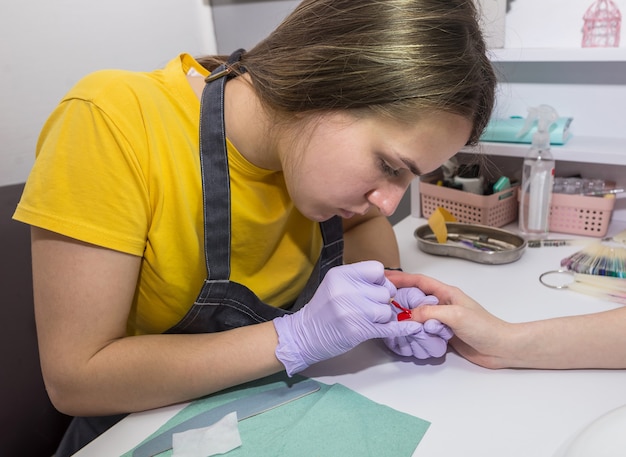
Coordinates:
219 438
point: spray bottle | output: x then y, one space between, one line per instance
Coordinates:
537 175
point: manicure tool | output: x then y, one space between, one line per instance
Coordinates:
406 312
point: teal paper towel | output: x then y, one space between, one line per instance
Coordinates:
335 421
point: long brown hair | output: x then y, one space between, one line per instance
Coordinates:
397 58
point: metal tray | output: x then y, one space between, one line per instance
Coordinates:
478 243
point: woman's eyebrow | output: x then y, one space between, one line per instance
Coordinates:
411 165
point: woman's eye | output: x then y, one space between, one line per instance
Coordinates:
388 170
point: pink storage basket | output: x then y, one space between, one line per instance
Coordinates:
493 210
575 214
580 215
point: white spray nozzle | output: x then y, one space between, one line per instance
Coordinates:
543 115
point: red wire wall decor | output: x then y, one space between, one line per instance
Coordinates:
602 23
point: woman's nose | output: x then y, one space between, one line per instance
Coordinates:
387 199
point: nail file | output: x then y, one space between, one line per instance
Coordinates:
245 407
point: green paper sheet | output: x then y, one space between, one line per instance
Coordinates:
335 421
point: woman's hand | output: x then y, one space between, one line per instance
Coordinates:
351 305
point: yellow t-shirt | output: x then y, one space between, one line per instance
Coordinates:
118 166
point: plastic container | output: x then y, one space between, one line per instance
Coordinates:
537 175
580 215
493 210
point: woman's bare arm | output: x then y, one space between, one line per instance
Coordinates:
370 237
83 295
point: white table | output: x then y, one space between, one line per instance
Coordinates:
474 411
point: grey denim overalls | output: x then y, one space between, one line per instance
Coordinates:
222 304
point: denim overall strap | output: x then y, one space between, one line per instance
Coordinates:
331 256
215 174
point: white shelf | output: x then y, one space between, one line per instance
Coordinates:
558 55
602 150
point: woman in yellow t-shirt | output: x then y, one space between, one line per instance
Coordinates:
169 264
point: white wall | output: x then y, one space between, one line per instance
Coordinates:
254 20
46 46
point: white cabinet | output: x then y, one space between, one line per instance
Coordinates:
558 55
587 84
585 149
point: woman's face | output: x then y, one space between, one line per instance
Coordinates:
345 165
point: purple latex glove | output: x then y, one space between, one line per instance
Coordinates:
350 306
431 339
